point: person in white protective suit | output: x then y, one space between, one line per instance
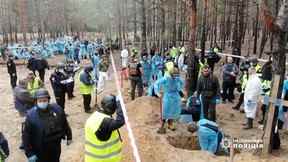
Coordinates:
181 58
124 57
251 96
124 63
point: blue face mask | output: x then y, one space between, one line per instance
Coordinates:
42 105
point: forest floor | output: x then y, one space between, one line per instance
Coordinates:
144 117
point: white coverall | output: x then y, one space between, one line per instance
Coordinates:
251 95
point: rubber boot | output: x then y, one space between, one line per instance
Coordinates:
171 125
245 123
162 129
249 124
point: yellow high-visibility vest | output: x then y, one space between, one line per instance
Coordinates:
266 87
201 66
34 85
101 151
258 69
84 88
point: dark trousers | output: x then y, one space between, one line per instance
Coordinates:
240 101
70 89
42 75
136 81
263 108
60 99
209 108
228 90
51 153
13 80
86 102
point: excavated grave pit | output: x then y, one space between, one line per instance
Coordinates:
182 141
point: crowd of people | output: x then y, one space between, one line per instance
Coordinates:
158 73
162 74
46 124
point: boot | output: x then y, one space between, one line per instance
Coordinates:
161 130
171 125
249 124
245 123
236 107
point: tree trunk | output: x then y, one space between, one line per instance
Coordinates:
143 26
203 29
192 70
256 30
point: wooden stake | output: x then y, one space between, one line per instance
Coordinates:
267 139
231 157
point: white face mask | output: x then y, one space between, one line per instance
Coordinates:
42 105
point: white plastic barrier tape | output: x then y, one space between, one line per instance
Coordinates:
226 54
128 126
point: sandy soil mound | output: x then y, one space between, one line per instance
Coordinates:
144 117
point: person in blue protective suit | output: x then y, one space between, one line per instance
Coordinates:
66 53
44 128
76 54
95 60
209 136
172 86
192 110
147 70
157 66
82 51
90 50
284 97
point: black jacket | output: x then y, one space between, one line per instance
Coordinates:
42 128
3 146
41 64
108 125
208 86
11 67
56 79
32 64
267 71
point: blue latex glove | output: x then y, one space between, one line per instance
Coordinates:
32 158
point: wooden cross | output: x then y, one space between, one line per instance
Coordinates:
267 139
